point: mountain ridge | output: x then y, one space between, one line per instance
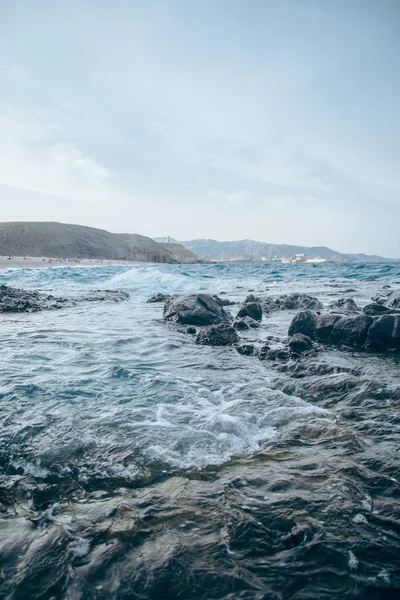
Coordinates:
254 250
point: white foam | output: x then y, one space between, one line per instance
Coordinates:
353 562
360 519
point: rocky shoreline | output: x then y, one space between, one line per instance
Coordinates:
375 327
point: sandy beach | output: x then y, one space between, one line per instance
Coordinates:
39 262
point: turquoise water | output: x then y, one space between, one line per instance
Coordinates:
140 465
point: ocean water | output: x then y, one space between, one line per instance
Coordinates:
135 464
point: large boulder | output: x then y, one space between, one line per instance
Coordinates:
384 333
340 329
292 302
252 310
217 335
303 322
195 309
331 328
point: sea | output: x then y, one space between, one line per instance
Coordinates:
137 465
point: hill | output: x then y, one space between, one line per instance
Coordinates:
252 250
180 253
61 240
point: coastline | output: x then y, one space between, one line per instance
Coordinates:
42 262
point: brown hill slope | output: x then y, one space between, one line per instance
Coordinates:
61 240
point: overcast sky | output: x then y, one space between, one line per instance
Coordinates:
272 120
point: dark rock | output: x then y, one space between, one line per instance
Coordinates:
384 333
15 300
246 349
158 298
351 331
393 300
278 354
217 335
251 309
196 309
252 298
241 325
191 329
263 352
377 310
251 322
299 343
104 296
292 302
303 322
333 329
224 301
345 305
325 324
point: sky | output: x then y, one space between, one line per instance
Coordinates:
277 121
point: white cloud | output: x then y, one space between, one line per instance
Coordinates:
35 158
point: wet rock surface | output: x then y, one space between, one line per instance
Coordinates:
157 298
299 343
345 305
296 301
14 300
253 310
362 331
195 309
217 335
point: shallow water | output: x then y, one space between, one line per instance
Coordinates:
135 464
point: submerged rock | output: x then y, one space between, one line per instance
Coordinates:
252 310
191 330
224 301
345 305
241 325
16 300
246 349
158 298
217 335
263 351
252 298
104 296
299 343
195 309
278 354
292 302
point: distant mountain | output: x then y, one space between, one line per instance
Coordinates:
62 240
252 250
